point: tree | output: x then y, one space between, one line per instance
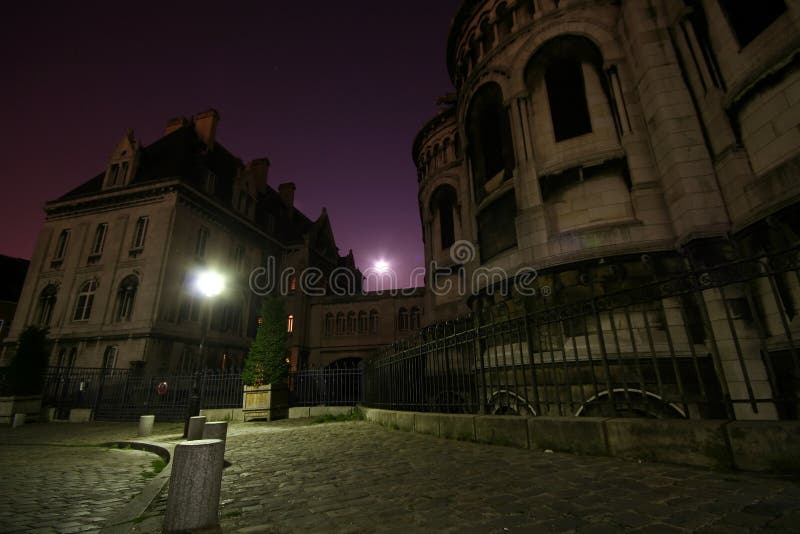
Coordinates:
266 361
26 372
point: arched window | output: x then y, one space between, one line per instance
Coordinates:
416 318
340 323
328 324
126 295
457 145
749 19
47 301
351 322
443 203
363 322
403 319
474 51
436 155
290 324
487 35
83 307
490 141
566 93
373 321
445 151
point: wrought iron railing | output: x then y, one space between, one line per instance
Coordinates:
331 387
712 343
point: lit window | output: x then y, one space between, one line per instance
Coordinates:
290 324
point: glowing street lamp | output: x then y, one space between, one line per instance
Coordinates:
209 283
382 266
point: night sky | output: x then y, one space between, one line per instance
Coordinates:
332 92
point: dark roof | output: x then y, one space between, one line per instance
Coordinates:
12 277
182 155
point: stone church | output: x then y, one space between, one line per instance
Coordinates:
112 275
604 143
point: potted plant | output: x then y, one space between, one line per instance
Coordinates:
25 376
265 373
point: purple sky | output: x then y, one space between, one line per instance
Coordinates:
332 92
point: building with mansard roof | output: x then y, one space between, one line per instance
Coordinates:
112 274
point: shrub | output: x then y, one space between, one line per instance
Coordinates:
266 361
27 369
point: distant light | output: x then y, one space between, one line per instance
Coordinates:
381 266
210 283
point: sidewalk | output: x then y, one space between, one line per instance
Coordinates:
292 476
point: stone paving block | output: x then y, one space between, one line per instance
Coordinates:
581 435
405 421
698 443
765 445
507 430
457 426
427 423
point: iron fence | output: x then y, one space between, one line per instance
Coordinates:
331 387
711 343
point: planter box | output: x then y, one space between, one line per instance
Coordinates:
29 405
269 402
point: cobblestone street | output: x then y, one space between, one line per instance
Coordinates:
291 476
66 488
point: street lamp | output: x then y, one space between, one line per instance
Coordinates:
209 284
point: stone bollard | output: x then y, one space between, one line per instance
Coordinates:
216 430
146 425
196 424
194 485
19 420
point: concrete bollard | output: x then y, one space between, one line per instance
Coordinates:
194 485
215 430
146 425
19 420
196 424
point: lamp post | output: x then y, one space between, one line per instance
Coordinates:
208 284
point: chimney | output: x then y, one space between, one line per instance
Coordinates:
176 123
259 170
287 194
205 124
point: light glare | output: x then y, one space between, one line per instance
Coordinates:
381 266
210 283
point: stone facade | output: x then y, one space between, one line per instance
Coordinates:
599 142
113 271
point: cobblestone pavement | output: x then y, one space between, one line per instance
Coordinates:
54 478
359 477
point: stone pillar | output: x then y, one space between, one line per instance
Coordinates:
194 486
215 430
146 425
196 424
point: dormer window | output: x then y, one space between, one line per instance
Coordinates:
123 162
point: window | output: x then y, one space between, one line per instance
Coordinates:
373 321
140 233
110 358
328 328
83 308
340 323
99 240
363 322
290 324
489 139
505 20
748 19
497 229
61 245
292 282
403 320
416 316
238 258
487 35
211 183
566 93
113 174
123 172
125 298
443 204
351 322
202 240
47 301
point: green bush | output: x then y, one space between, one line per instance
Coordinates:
266 361
27 369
